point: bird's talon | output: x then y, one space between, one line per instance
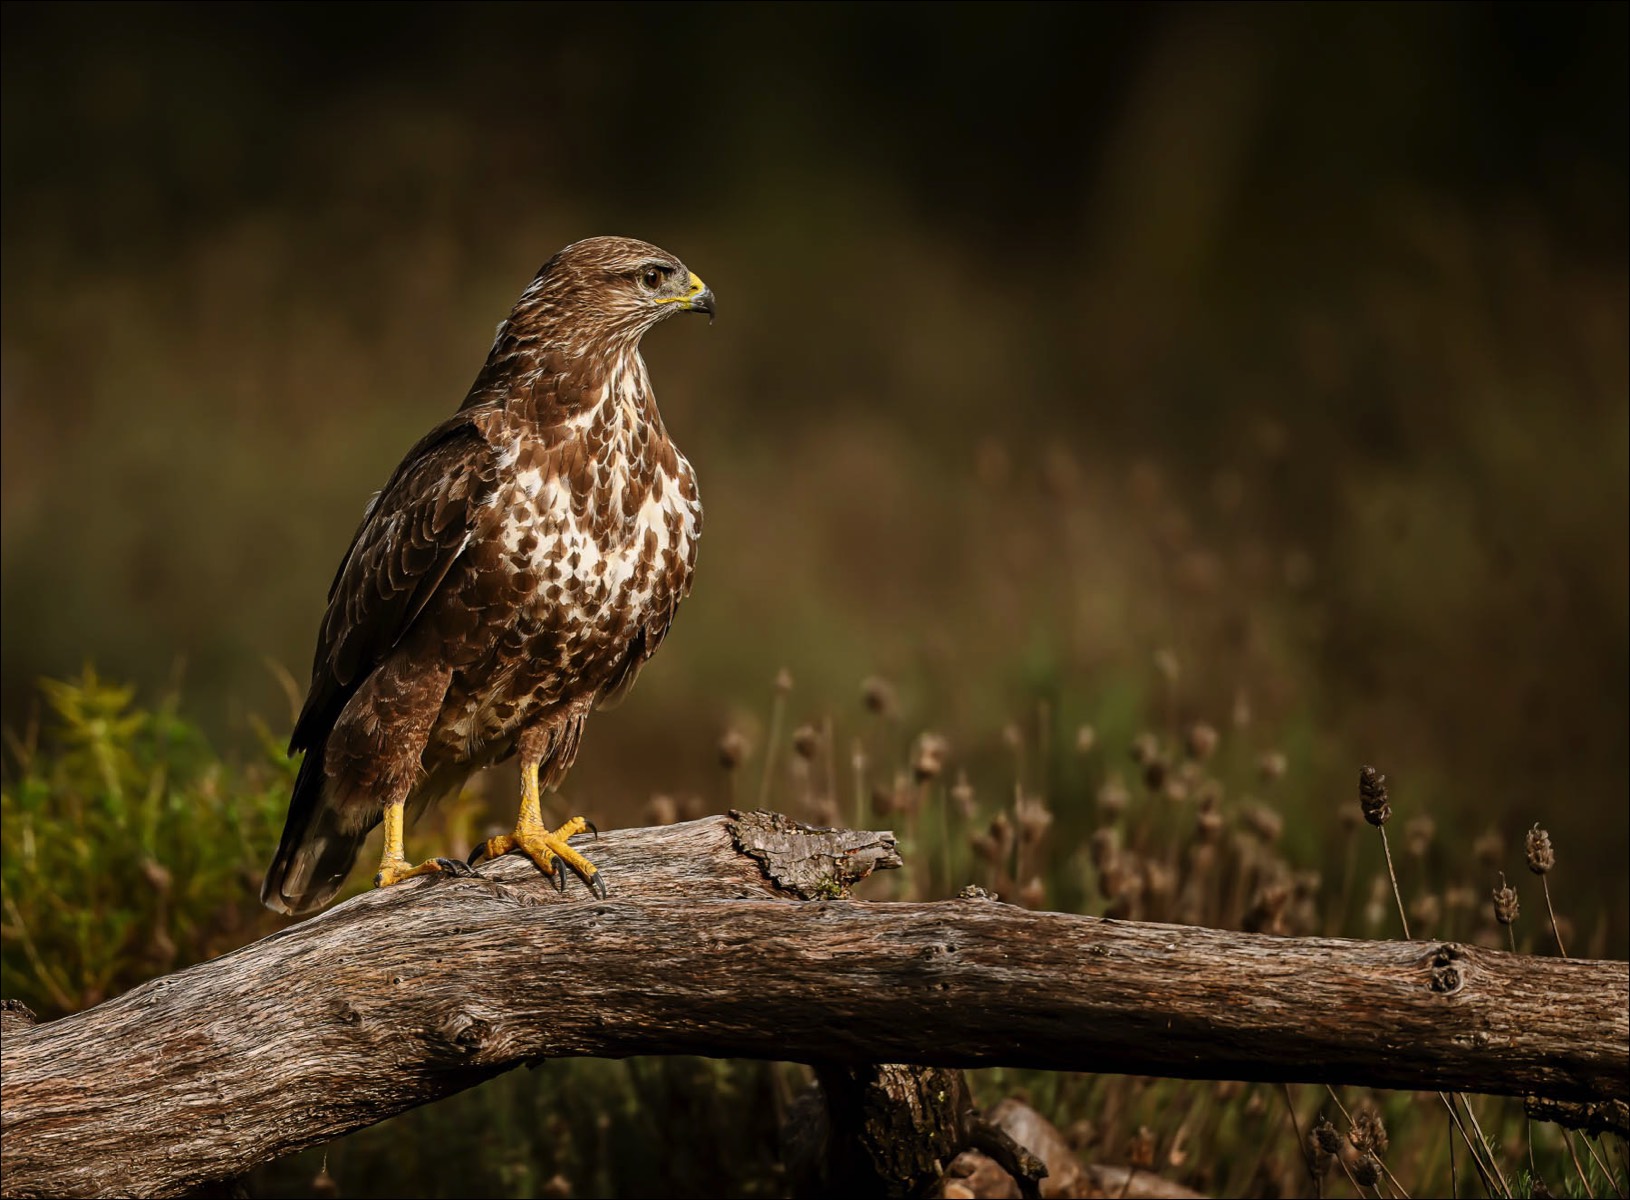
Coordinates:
452 866
589 825
596 885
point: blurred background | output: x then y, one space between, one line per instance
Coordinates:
1109 367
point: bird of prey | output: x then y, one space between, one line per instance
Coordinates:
516 571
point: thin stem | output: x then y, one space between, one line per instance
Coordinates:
1393 875
1471 1146
1555 932
1487 1149
1307 1154
1567 1138
778 709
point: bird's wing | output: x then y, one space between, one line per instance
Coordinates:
410 537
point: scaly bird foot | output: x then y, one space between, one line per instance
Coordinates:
544 849
396 870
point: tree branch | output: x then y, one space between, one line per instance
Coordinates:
402 996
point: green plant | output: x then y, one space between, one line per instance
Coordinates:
128 848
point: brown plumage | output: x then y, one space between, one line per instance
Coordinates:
518 568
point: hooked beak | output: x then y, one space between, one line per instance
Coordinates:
701 302
699 298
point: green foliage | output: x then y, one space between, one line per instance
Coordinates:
128 848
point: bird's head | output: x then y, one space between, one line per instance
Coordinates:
609 290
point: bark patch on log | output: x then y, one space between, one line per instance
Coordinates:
813 864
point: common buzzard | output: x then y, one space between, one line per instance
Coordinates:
517 570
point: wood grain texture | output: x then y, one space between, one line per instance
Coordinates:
399 997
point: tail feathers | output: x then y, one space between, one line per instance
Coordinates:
318 848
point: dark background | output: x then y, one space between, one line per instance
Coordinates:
1289 340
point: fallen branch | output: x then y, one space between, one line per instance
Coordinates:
402 996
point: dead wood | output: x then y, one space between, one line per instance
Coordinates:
399 997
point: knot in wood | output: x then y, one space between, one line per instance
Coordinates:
466 1031
1446 978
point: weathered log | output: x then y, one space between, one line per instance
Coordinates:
402 996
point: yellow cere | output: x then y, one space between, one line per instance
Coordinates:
697 287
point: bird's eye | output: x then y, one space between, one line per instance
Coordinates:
653 278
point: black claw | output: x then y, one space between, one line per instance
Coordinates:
590 826
479 851
452 866
558 878
596 885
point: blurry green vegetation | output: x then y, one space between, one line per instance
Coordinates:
127 848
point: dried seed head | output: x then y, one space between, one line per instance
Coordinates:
1267 911
158 878
1033 818
1159 880
1272 766
1208 824
1418 835
1372 796
1541 858
1325 1137
1168 666
1506 907
1113 797
1369 1133
962 796
1085 739
1001 831
783 681
1263 821
1034 893
1201 741
877 694
806 742
1145 749
1154 774
732 749
1140 1151
1105 848
928 758
1366 1171
661 810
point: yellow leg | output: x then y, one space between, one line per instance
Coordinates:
540 844
394 866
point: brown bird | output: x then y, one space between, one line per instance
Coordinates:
516 571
